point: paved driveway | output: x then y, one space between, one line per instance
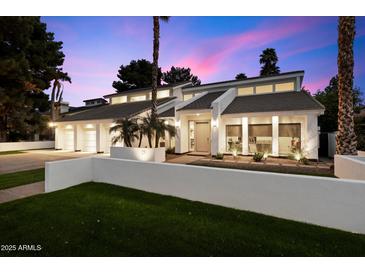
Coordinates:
33 159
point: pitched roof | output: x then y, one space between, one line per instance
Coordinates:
283 101
203 102
168 113
114 111
247 79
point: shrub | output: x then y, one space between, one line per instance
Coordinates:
170 150
257 157
219 156
304 161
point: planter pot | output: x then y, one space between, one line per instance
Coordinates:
361 153
139 153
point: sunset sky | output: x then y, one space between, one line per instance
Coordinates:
215 48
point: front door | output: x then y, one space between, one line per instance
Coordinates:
202 136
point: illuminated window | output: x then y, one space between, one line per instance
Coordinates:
260 138
118 100
245 91
137 98
234 138
264 89
284 87
163 93
188 96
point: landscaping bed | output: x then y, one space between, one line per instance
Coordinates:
261 166
14 179
95 219
11 152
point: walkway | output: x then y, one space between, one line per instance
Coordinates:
19 192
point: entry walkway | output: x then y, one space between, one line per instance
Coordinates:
19 192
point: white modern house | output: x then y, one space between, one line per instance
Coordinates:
267 114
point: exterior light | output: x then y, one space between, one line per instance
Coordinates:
177 124
112 125
266 154
166 122
234 152
68 127
215 123
51 124
89 126
297 156
198 114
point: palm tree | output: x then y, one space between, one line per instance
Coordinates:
161 127
346 137
146 129
268 60
57 91
127 129
156 49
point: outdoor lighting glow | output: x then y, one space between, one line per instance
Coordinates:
113 124
68 127
266 154
89 126
197 114
51 124
234 152
177 124
166 122
215 123
297 156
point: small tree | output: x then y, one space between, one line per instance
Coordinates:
180 74
127 129
268 60
241 76
161 127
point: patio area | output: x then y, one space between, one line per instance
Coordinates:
323 167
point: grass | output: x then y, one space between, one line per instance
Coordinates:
96 219
8 180
11 152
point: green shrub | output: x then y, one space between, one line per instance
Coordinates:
170 150
257 157
304 161
219 156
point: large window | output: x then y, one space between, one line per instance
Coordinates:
234 138
118 99
163 93
138 98
260 138
245 91
188 96
289 138
264 89
284 87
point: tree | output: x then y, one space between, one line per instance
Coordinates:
329 99
160 130
156 49
346 137
57 91
29 58
138 74
180 74
241 76
127 129
268 60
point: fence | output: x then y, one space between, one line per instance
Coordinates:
11 146
323 201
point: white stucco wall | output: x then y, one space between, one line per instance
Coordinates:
350 167
11 146
323 201
139 153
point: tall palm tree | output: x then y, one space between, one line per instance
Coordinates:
268 60
156 49
127 129
57 91
346 137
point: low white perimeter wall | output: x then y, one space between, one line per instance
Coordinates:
10 146
139 153
350 167
361 153
328 202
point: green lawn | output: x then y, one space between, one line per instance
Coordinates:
95 219
8 180
11 152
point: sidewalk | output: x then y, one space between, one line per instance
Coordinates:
19 192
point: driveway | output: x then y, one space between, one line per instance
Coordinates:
33 159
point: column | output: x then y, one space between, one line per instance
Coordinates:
311 142
178 141
99 146
77 137
59 137
245 135
214 149
275 136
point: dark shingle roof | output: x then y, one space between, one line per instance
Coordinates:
283 101
112 111
203 102
168 113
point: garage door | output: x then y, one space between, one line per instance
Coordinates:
90 140
69 139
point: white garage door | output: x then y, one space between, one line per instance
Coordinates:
69 139
90 140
